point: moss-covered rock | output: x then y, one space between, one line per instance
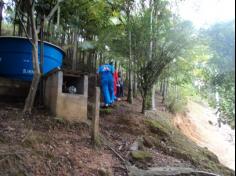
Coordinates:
104 172
141 156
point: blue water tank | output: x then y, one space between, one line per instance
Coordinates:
16 58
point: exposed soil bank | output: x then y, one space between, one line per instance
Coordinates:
200 125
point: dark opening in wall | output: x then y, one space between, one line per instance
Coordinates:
73 84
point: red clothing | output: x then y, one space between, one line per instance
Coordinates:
115 75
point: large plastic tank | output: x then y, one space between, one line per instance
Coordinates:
16 58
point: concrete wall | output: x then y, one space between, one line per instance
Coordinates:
72 107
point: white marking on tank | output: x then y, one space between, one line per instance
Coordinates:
26 60
27 71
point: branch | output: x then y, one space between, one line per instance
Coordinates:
21 21
53 11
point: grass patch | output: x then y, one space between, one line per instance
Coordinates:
105 111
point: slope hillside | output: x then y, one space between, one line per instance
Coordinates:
200 125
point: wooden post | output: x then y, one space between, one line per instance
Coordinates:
95 118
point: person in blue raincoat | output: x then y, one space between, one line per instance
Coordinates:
106 72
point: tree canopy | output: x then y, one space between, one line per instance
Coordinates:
145 38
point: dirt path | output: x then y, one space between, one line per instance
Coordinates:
196 126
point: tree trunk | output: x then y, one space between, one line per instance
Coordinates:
151 30
135 86
58 17
154 98
130 90
14 22
28 27
74 59
153 91
48 30
41 84
147 101
144 105
1 9
165 89
34 85
161 87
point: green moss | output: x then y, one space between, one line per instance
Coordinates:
156 127
141 156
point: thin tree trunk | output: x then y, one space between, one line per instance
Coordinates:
151 30
58 17
20 30
130 90
167 87
1 9
14 22
34 85
135 86
28 27
41 89
163 91
144 105
153 91
161 87
74 59
154 98
48 30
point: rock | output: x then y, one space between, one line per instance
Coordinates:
134 146
137 145
148 141
104 172
210 122
141 156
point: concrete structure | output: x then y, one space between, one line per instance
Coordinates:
72 107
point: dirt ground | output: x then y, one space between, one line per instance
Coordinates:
40 145
43 145
124 125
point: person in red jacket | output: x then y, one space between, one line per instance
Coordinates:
115 82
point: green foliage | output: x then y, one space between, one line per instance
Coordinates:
163 47
220 69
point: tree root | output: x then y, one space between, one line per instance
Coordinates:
167 171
